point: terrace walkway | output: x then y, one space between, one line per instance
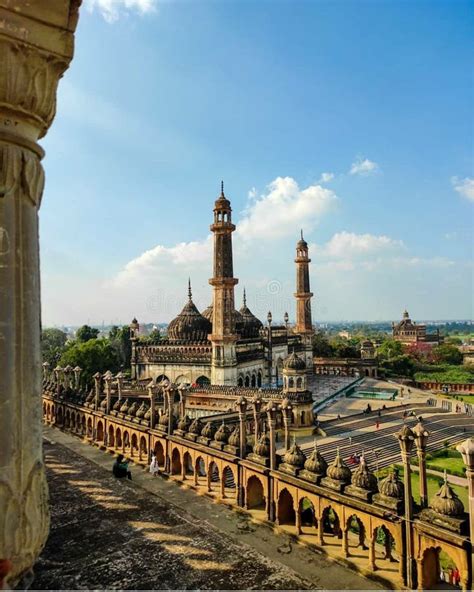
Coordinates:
151 533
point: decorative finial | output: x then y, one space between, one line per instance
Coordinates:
445 476
302 234
245 298
190 294
222 188
315 445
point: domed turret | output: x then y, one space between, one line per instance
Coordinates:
250 324
222 434
315 463
391 486
363 477
262 447
338 470
189 325
238 318
234 438
446 501
294 456
208 431
294 362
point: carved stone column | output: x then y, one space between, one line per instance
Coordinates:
36 46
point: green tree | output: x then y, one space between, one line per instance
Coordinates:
95 355
85 333
401 365
52 345
321 346
389 349
447 354
119 338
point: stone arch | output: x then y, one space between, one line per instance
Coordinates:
59 416
176 467
255 496
307 514
356 534
213 477
240 381
259 379
286 508
386 544
83 424
133 444
229 484
203 380
73 420
330 523
182 379
299 382
67 418
435 559
45 410
253 381
200 473
247 380
162 377
188 464
291 382
100 431
111 437
118 438
89 427
160 454
126 439
143 451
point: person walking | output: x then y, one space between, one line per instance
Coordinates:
154 468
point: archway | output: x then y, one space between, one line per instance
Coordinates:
228 483
385 552
67 419
73 421
331 525
182 379
83 425
176 467
89 427
247 381
255 494
356 536
200 473
259 379
100 431
143 448
162 378
111 438
160 454
203 381
286 509
59 416
188 464
213 478
253 381
134 445
308 521
438 569
126 439
240 381
118 438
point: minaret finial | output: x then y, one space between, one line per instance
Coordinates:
245 298
302 234
190 294
222 188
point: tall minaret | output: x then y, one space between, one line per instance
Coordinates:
303 295
223 338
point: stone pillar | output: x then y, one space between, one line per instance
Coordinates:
36 46
241 405
345 542
108 392
372 565
286 408
406 439
271 411
97 380
152 404
257 405
421 439
467 451
77 376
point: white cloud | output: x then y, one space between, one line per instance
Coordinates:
363 167
348 245
112 10
326 177
284 208
464 187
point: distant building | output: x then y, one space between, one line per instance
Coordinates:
366 365
409 332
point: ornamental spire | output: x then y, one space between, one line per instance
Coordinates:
190 294
245 298
222 189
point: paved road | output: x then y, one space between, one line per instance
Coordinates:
152 534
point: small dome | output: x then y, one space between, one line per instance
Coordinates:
117 405
234 438
208 431
163 421
315 463
124 407
391 486
338 470
195 427
250 324
447 502
363 477
222 434
262 447
184 423
141 411
189 325
133 409
294 456
294 362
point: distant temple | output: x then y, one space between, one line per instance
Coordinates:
409 332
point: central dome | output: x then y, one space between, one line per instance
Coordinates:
189 325
238 318
250 324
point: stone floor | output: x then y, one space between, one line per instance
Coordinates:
150 533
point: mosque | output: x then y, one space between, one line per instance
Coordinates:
224 346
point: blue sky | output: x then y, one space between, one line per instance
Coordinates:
350 119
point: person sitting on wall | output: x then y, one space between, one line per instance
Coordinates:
120 468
